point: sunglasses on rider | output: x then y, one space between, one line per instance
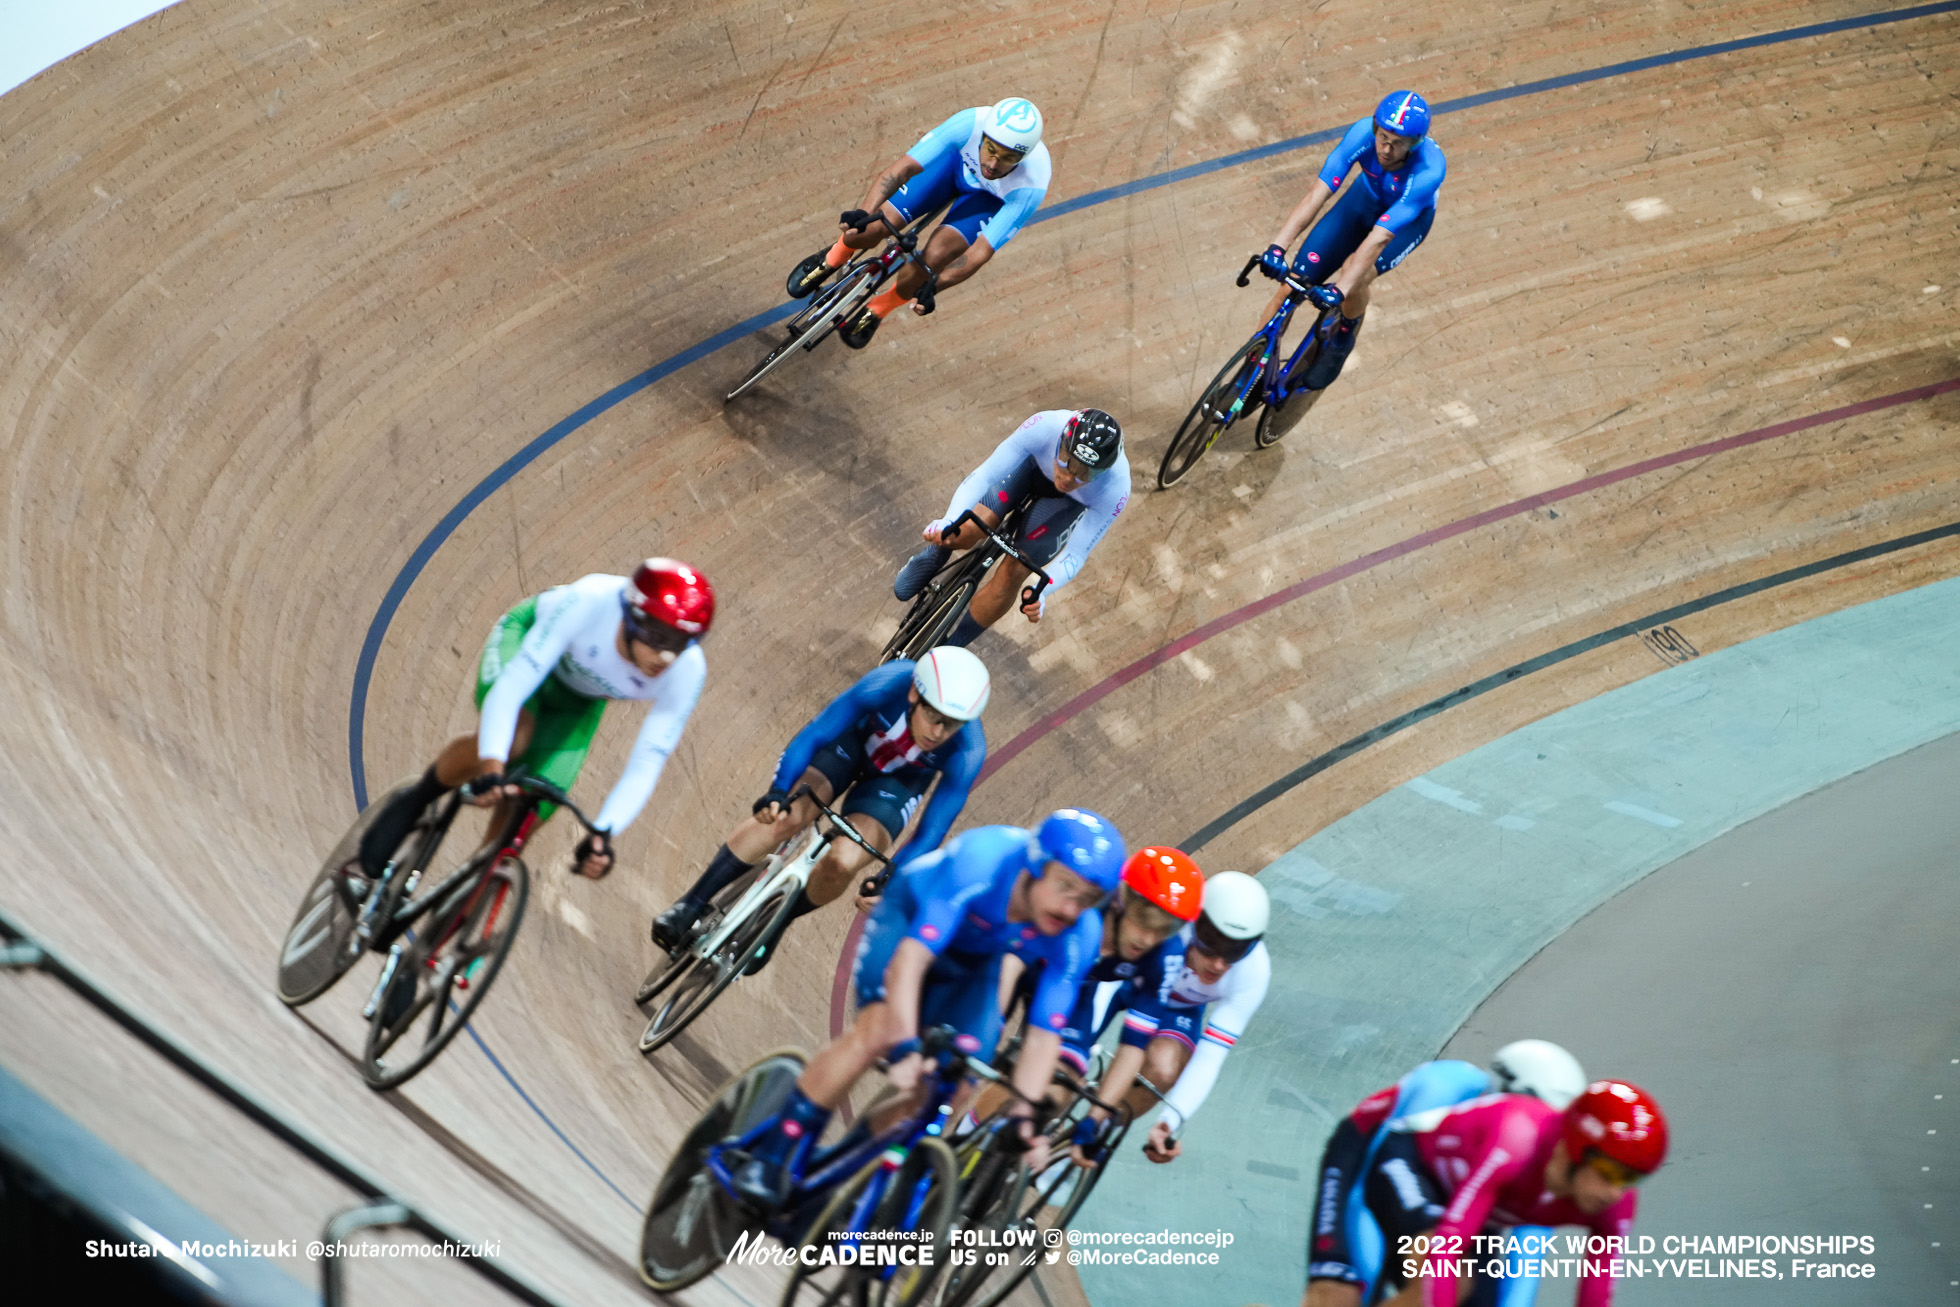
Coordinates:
1000 153
657 636
1614 1170
1068 462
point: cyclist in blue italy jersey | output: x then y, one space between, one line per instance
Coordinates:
987 162
1346 1247
885 740
931 956
1371 229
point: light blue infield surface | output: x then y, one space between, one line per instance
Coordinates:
1394 923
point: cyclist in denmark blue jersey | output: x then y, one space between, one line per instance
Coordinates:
987 163
1346 1248
885 741
1371 229
931 956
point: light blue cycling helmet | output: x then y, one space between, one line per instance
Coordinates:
1405 113
1085 842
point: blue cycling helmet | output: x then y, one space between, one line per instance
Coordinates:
1405 113
1084 842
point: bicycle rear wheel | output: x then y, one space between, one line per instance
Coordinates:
320 947
1217 408
834 304
916 1198
935 613
462 943
669 969
701 982
691 1221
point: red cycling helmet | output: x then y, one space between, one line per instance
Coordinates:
669 593
1167 878
1620 1120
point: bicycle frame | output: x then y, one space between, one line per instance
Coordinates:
1272 381
1001 545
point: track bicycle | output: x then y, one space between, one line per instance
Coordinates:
899 1183
745 919
836 304
1254 378
937 609
442 942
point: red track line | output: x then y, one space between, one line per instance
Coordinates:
1238 617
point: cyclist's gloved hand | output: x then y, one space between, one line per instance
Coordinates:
855 219
595 850
778 799
1088 1135
1325 297
1273 262
482 790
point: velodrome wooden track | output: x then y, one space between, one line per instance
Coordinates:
282 283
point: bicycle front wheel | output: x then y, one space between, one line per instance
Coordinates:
935 613
705 978
1217 408
445 972
808 328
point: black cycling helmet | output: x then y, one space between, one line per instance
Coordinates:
1092 440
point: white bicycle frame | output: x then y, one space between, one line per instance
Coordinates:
789 869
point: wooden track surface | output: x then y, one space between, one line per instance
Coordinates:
282 283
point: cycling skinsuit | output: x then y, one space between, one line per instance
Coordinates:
862 741
1059 529
1346 1242
954 901
1108 990
949 155
1209 1019
1479 1168
556 654
1402 200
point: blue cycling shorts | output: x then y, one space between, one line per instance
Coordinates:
939 183
889 798
1341 230
963 993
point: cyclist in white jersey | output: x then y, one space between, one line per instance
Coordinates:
546 673
1069 467
1179 1036
987 163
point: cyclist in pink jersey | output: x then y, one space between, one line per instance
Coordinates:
1501 1161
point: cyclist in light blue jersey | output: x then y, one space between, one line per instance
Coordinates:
987 162
931 956
1370 230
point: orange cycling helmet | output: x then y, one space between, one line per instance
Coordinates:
1167 878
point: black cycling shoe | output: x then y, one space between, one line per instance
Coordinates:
353 885
399 998
763 952
673 928
857 333
918 570
1333 355
808 275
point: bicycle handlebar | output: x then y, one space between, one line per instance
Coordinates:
1245 276
1143 1082
838 826
1029 593
545 790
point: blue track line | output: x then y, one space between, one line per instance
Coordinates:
523 458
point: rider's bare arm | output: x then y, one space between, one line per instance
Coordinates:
888 182
1303 214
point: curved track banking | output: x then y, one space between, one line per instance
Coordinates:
284 287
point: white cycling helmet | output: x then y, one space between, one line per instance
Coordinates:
1539 1068
1232 915
1013 124
953 681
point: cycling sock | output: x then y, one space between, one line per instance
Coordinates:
882 305
966 632
392 824
839 254
805 905
723 869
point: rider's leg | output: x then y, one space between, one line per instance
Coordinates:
840 866
1163 1063
455 764
749 843
1041 538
